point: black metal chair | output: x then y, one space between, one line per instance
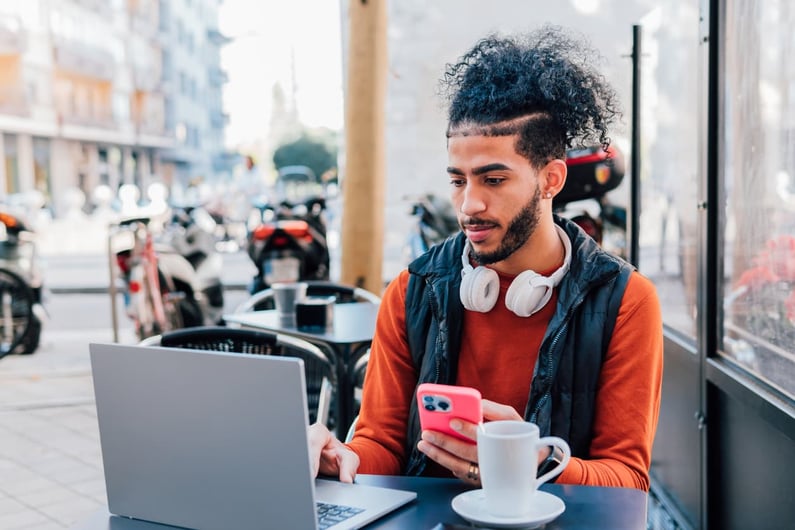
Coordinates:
320 375
262 300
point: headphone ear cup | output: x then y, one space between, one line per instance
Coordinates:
479 290
528 293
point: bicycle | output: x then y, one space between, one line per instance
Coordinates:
150 300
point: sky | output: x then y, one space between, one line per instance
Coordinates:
268 36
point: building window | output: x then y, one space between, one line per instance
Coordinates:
759 168
669 223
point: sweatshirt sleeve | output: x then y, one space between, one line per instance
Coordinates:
389 384
628 400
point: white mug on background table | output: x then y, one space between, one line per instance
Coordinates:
508 454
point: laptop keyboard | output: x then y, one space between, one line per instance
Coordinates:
330 514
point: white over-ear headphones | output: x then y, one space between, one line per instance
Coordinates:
528 293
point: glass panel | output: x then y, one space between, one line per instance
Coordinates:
669 183
759 175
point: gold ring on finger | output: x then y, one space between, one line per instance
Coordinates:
473 473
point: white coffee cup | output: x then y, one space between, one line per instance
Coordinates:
508 453
285 296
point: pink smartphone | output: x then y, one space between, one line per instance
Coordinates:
438 404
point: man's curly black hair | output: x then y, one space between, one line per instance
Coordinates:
542 86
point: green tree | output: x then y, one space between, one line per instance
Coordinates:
317 155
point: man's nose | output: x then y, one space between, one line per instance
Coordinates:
473 202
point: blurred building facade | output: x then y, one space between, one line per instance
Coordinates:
108 92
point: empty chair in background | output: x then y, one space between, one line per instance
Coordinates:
263 300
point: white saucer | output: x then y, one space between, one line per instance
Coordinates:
471 506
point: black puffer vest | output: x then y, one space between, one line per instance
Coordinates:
562 394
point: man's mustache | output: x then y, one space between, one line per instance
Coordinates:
474 221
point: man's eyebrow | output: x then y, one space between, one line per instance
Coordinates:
489 167
482 170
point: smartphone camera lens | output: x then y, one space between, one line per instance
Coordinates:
444 405
430 407
428 399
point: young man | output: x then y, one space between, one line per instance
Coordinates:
521 305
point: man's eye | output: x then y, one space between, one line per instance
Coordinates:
457 182
494 181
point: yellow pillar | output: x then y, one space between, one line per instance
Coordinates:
364 173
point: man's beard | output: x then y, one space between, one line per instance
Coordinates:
519 231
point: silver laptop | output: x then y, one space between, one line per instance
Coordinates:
215 440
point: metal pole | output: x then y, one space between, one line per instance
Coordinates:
112 287
634 190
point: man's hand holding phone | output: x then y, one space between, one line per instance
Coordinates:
449 418
441 404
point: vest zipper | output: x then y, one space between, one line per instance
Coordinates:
437 369
551 348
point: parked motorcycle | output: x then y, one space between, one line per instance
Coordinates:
592 173
171 279
21 309
436 220
287 242
191 237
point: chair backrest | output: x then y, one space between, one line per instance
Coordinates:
351 430
320 374
219 338
343 293
357 376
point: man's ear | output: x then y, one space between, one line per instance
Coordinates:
553 177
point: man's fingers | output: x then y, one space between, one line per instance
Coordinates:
329 456
470 430
497 411
448 451
457 465
319 437
348 463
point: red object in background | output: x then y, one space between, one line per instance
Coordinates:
592 172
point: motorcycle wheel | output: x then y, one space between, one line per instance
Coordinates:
16 311
191 313
30 342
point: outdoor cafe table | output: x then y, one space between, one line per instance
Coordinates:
587 507
348 338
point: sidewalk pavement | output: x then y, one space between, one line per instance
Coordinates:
50 461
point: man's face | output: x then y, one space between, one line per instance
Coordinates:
495 193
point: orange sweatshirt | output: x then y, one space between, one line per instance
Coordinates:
499 350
